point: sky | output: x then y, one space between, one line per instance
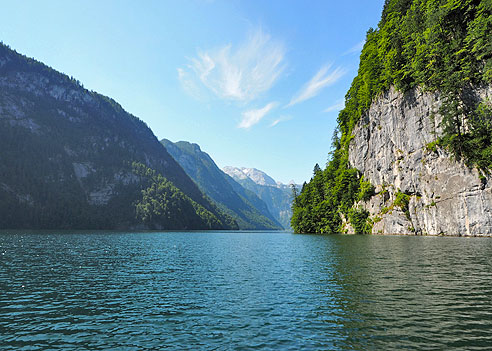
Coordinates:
255 83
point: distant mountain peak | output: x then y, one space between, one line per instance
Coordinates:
243 205
184 144
256 175
276 195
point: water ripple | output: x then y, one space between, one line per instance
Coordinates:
243 291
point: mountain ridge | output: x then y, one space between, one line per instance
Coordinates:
248 210
70 158
277 196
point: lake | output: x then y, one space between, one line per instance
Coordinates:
243 291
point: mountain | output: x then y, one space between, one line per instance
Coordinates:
244 206
277 196
412 153
72 158
251 174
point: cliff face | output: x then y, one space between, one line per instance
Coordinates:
396 139
391 148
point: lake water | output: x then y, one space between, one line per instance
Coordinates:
244 291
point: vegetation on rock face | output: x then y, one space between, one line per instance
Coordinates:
359 221
437 45
402 200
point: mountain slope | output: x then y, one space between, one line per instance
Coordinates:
277 196
413 146
248 210
71 158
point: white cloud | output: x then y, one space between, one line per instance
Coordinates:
280 119
339 105
325 77
251 117
240 73
356 48
274 123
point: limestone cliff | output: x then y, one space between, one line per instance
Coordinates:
392 148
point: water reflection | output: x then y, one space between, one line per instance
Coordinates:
413 292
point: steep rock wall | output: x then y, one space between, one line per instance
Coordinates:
390 148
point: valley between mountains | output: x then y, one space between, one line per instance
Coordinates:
72 158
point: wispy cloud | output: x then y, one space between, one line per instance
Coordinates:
189 84
356 48
239 73
252 117
337 106
280 119
274 123
325 77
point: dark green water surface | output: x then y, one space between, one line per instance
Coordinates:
244 291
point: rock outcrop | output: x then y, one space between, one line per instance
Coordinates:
392 147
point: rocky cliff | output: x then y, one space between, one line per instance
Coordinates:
415 150
420 188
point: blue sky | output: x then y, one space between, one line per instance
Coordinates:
254 83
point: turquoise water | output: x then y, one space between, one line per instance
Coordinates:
243 291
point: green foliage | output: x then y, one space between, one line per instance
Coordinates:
163 206
402 200
359 221
366 190
331 192
432 146
438 45
385 210
476 144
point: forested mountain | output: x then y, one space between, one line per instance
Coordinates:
244 206
412 152
72 158
277 196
